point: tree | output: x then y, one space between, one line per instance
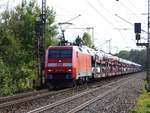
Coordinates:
78 41
124 54
18 43
51 29
87 39
138 56
134 55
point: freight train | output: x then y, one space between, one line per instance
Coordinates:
68 65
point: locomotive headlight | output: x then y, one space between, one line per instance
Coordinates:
49 70
69 70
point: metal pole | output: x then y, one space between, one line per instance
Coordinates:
147 45
109 46
41 45
92 36
148 48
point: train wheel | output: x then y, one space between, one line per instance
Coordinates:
86 82
74 83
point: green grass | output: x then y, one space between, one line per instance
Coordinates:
143 103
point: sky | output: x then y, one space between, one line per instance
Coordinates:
105 17
100 14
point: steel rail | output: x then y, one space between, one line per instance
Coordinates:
21 95
60 102
87 103
22 100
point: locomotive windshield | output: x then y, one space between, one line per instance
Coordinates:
63 53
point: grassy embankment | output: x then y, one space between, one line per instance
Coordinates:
143 103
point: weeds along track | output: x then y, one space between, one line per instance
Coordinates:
80 100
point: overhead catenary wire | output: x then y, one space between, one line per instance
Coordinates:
128 22
130 10
127 8
107 20
108 11
132 4
99 13
100 4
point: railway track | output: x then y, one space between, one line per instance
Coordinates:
24 97
79 101
23 105
21 95
21 98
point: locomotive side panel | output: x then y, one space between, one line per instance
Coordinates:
84 68
75 64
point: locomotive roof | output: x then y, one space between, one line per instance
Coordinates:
82 49
92 52
59 47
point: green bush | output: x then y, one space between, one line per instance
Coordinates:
18 45
143 103
6 86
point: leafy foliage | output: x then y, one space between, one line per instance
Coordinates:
134 55
6 86
78 41
18 45
87 39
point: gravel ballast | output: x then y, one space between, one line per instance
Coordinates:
119 101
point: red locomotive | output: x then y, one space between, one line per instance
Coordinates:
65 65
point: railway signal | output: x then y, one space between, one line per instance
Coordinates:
137 29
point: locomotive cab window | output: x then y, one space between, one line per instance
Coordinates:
63 53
